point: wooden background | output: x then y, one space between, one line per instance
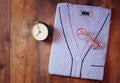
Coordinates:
24 60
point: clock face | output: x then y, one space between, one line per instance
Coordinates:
40 31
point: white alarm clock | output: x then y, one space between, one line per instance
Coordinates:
40 31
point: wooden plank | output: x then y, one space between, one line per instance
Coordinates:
4 41
23 53
45 13
112 70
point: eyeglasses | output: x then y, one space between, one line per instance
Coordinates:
84 35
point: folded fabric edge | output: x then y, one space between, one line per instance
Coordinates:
74 77
64 4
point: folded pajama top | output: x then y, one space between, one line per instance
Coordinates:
73 56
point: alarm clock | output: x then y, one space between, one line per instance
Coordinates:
40 31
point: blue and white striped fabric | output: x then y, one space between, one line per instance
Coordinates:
71 56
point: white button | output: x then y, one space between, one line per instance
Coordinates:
77 58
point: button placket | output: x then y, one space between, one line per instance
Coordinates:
74 48
70 43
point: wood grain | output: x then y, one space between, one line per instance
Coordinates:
23 50
112 70
4 41
24 60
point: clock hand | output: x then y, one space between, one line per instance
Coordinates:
38 30
38 33
38 27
